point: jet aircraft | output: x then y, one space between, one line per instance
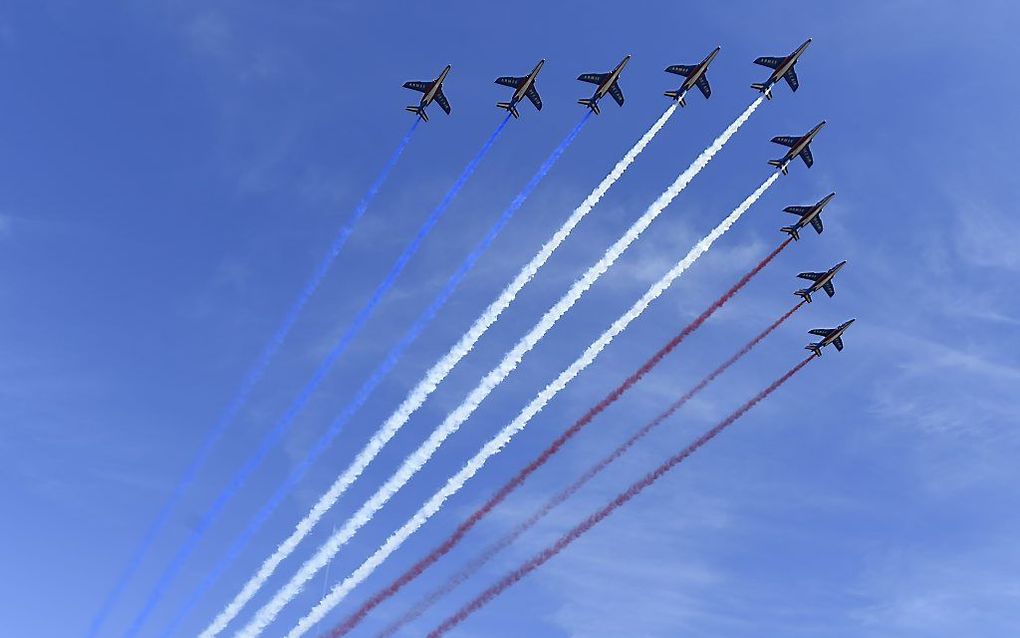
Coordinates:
695 77
607 83
832 336
782 68
808 215
820 281
433 92
525 89
798 146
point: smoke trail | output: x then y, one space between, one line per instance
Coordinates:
475 564
635 489
247 385
493 446
431 381
555 446
274 436
459 415
304 527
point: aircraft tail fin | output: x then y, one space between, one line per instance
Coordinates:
419 111
678 96
805 294
509 107
816 348
590 103
791 231
780 164
764 88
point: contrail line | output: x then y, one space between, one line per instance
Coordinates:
274 436
539 559
305 526
509 362
252 377
459 415
457 481
556 445
489 552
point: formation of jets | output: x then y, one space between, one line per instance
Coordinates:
695 75
608 84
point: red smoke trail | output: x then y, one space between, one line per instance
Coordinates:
539 559
469 569
553 448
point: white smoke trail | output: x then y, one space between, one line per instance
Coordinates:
457 481
428 384
461 413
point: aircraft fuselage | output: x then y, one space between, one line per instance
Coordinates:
437 86
603 88
802 143
787 64
522 90
829 275
699 71
815 211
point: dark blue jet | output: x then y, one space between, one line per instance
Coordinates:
433 93
820 281
808 215
832 336
525 89
607 83
799 146
695 78
782 68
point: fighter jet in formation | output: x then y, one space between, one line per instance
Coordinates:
798 146
821 281
782 68
695 77
525 89
607 83
832 336
433 92
808 215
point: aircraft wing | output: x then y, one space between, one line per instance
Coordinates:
509 80
838 342
418 86
593 78
442 101
614 90
797 210
820 332
813 276
769 61
808 159
702 84
791 78
532 94
680 69
786 140
829 289
816 223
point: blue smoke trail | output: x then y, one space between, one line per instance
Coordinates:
247 385
392 358
283 425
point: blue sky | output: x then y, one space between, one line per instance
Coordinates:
171 173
